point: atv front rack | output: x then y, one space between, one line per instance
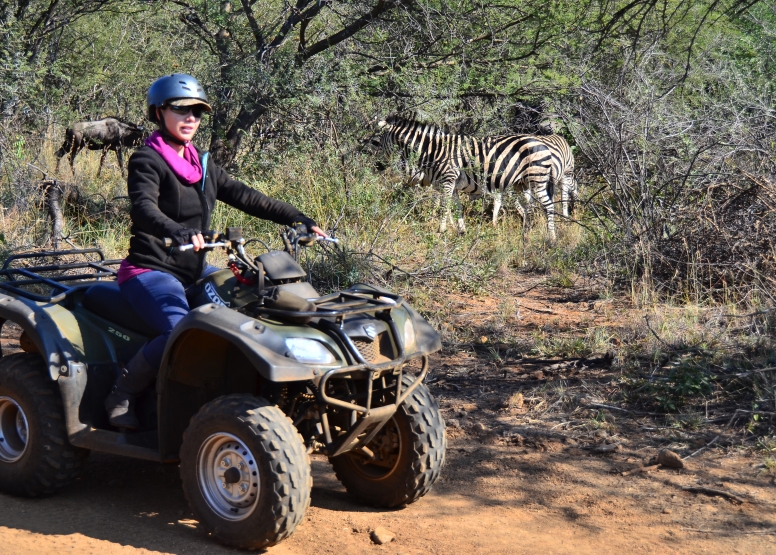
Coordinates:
330 312
356 300
18 280
372 418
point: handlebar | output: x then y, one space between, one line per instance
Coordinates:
187 247
190 246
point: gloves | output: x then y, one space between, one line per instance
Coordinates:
183 236
309 223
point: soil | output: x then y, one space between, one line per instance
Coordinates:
535 464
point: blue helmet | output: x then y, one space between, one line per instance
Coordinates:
179 89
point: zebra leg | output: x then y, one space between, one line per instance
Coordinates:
447 188
497 199
549 209
521 210
525 212
459 208
446 191
569 193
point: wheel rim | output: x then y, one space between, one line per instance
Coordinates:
228 476
13 430
387 449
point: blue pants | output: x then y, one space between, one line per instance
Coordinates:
161 300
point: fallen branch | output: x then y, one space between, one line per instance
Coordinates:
606 448
710 491
640 470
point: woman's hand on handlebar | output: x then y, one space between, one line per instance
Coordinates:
198 241
318 231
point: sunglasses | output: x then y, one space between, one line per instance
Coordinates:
196 110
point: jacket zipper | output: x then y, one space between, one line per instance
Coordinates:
205 219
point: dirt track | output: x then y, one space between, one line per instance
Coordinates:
492 499
514 482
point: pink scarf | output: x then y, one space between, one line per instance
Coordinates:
188 169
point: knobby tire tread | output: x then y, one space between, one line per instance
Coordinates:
428 444
280 441
55 462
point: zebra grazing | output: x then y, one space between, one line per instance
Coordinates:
563 170
464 164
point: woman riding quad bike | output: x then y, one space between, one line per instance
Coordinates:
173 192
236 374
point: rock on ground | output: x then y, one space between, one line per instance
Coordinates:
381 535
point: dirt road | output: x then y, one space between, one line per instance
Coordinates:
492 499
519 478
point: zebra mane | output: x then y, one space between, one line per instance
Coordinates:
413 118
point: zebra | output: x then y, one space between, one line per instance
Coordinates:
464 164
562 170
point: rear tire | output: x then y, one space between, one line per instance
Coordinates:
245 472
412 448
35 457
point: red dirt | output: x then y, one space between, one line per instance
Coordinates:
519 478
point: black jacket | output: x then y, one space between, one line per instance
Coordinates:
161 204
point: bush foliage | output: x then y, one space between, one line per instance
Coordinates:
668 106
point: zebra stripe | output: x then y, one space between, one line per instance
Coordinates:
475 166
562 170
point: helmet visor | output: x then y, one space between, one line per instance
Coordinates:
189 102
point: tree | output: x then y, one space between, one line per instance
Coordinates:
260 47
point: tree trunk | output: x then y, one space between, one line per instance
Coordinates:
53 193
224 149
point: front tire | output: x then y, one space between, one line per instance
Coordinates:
410 450
245 472
35 457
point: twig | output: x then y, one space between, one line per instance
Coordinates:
646 319
600 405
746 374
520 293
756 313
539 310
45 175
700 530
710 491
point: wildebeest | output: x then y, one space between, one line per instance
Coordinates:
105 134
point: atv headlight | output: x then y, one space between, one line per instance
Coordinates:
309 351
409 335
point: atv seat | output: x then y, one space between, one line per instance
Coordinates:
105 300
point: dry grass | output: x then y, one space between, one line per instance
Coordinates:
676 356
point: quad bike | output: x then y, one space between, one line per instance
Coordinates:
262 372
